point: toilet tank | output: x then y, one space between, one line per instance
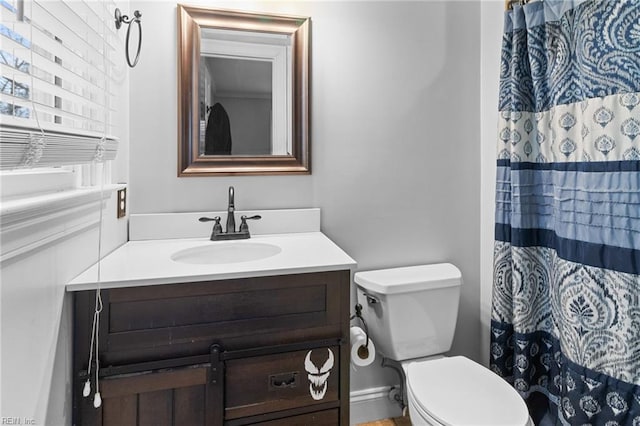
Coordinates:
410 312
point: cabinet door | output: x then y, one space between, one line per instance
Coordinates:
170 397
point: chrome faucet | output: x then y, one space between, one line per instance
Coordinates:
230 233
231 219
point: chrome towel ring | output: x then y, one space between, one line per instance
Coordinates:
120 19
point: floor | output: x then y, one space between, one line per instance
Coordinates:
398 421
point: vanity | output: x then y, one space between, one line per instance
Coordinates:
200 332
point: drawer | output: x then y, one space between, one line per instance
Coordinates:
319 418
281 381
141 324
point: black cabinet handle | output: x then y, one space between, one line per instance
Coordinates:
284 380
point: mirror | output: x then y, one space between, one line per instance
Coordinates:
243 94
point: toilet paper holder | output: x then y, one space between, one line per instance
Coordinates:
363 350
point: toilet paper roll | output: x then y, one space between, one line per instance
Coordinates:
361 355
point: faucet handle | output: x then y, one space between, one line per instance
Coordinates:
216 226
243 224
210 219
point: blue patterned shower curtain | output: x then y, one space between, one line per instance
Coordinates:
566 294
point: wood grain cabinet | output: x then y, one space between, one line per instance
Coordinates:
251 351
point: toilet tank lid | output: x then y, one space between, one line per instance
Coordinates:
409 278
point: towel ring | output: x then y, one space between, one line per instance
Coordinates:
120 19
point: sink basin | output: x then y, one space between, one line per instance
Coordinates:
225 252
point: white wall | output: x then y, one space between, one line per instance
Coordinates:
395 92
35 320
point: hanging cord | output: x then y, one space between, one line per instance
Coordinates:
120 19
94 347
97 400
86 391
36 145
95 328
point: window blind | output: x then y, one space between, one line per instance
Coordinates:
57 63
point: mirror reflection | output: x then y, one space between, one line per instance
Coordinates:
228 108
243 92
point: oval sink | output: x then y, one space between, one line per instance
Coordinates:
226 252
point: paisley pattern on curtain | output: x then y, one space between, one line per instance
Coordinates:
566 294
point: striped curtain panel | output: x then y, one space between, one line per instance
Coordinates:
566 293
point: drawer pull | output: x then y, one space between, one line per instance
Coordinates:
284 380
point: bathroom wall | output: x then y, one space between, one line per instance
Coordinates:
395 136
36 318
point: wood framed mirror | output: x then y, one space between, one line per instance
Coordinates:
243 93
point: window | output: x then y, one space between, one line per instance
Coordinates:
61 67
57 103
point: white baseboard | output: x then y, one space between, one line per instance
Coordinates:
371 404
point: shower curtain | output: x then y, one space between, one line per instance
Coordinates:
565 327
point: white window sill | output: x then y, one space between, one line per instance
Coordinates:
31 222
26 183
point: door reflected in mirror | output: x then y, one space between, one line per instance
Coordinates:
243 93
235 120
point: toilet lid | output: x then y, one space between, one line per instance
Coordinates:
457 391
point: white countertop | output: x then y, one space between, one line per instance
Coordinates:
142 263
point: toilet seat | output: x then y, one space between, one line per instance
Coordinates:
458 392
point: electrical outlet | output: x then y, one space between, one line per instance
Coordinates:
122 202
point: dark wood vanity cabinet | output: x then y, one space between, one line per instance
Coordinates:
250 351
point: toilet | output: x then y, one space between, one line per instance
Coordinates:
411 316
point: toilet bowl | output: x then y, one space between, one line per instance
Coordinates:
411 315
458 391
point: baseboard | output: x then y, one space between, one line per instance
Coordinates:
372 404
